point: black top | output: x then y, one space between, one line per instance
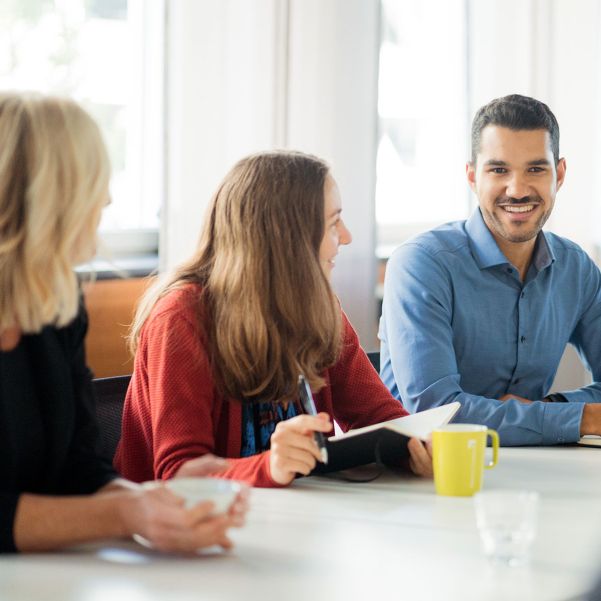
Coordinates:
49 439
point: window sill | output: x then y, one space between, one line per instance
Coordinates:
134 266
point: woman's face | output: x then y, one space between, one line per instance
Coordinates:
336 233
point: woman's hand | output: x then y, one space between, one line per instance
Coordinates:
420 460
293 448
160 516
240 506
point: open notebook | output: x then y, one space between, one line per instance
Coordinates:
385 442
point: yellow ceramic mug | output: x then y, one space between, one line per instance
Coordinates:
458 458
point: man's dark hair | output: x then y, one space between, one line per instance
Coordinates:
515 112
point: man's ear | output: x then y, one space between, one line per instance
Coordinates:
561 172
470 172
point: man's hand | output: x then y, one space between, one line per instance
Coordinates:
521 399
591 419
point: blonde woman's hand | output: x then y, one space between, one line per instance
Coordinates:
240 506
211 465
293 448
160 516
420 457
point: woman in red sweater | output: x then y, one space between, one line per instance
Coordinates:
221 342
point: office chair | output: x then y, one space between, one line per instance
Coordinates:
110 396
374 359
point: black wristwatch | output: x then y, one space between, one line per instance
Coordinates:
556 397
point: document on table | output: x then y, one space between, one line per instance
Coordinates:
590 440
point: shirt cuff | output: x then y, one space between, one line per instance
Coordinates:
577 396
561 422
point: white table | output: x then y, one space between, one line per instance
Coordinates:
389 539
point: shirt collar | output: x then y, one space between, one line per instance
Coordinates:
487 253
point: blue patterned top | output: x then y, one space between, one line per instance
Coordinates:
259 421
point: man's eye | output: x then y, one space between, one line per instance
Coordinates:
536 170
498 170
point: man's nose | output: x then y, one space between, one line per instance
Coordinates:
517 187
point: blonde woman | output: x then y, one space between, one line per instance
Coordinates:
221 344
55 489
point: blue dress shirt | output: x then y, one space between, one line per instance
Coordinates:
459 325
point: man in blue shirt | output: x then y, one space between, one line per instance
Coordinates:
480 311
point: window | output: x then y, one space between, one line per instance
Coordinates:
107 55
423 117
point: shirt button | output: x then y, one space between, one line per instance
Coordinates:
523 294
522 338
509 270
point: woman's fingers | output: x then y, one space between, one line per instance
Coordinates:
240 506
293 448
420 458
288 438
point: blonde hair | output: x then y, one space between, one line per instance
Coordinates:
54 175
268 312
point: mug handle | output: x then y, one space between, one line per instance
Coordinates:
495 449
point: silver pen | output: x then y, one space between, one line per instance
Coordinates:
306 398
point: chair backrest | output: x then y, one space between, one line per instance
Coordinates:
374 358
110 395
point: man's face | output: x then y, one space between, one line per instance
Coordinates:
515 179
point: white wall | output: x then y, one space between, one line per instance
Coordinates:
247 75
222 103
332 102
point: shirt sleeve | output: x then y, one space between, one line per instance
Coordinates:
585 337
418 337
359 397
85 469
181 389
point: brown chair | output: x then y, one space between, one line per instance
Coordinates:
111 305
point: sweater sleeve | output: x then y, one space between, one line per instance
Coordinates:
184 417
252 470
359 397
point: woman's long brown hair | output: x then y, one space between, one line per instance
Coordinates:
267 309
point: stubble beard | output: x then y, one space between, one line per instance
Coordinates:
497 226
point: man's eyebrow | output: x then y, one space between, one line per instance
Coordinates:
499 163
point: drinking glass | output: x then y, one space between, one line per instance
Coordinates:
507 523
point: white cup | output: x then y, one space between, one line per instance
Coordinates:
195 490
507 523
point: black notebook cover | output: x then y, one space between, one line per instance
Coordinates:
378 446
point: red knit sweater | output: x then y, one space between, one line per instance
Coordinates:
173 413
